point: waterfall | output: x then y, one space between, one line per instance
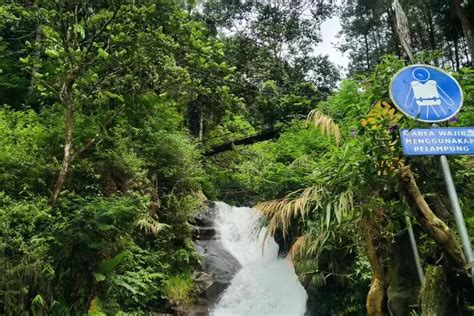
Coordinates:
266 284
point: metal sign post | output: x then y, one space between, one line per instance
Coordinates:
414 248
428 94
460 223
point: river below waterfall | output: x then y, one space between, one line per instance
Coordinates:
266 284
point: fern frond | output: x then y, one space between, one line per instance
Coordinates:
149 225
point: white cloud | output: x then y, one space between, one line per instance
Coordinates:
329 30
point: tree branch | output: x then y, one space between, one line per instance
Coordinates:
435 227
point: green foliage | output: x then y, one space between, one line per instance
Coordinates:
22 160
465 76
90 244
277 75
132 185
180 289
329 247
143 88
26 262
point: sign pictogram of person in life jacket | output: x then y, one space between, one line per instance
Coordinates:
426 93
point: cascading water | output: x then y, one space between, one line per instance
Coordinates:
266 284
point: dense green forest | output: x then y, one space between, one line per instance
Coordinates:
112 114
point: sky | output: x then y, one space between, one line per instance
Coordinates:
329 30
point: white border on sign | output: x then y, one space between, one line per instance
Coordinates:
417 118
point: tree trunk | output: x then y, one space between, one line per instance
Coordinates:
392 23
376 298
431 28
466 26
37 53
435 296
268 134
456 54
367 57
466 50
401 277
67 99
451 56
201 124
403 30
195 116
434 226
377 47
155 202
418 35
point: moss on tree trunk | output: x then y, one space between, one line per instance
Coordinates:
402 278
436 299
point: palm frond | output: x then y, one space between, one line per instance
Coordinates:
299 246
149 225
280 212
315 202
308 272
345 204
325 123
303 161
308 245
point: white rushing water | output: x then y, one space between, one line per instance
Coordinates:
266 284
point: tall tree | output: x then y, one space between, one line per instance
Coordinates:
95 58
466 26
437 36
271 44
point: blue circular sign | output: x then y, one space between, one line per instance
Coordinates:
426 93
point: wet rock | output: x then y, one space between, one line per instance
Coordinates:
204 233
217 261
192 310
208 287
218 266
206 217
